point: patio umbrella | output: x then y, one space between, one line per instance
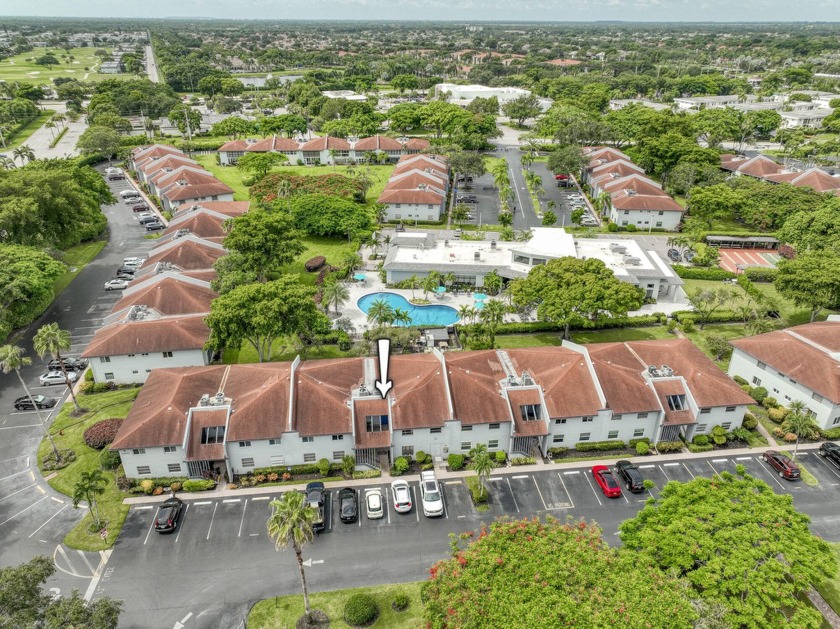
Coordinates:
360 277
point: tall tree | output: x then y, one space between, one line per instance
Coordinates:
482 464
52 340
381 312
522 108
492 316
707 301
567 160
99 141
266 241
568 291
812 280
814 230
260 163
290 525
334 293
712 203
469 163
799 422
739 544
88 487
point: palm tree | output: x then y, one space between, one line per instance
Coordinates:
88 487
401 317
386 240
290 524
493 315
464 312
448 279
334 294
481 464
60 118
430 282
413 282
380 312
333 154
12 359
49 124
7 163
759 326
527 159
50 339
799 422
351 262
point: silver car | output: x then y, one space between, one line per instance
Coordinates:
402 496
56 377
374 504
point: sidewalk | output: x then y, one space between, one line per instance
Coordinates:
444 474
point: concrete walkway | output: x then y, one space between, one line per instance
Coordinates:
42 137
444 474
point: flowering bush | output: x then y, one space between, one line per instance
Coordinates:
102 433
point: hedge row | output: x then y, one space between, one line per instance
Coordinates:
669 446
761 273
306 468
721 316
601 324
599 446
702 273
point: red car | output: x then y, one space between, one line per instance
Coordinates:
606 481
786 468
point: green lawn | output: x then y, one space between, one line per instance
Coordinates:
729 330
21 136
538 339
283 611
233 177
283 349
67 432
22 67
333 249
619 335
830 590
76 258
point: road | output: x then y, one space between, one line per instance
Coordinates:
33 517
42 137
151 65
220 560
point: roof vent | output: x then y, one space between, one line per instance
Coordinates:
617 248
477 255
182 182
421 186
251 141
363 390
182 232
205 400
218 399
667 371
630 193
653 371
492 245
526 378
445 243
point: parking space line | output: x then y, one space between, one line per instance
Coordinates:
765 467
15 474
719 460
589 482
58 500
645 467
443 500
830 467
149 532
540 493
48 521
688 470
212 517
143 507
22 511
18 491
229 500
515 504
743 458
82 555
254 499
242 521
568 493
666 475
714 471
203 502
183 518
518 477
670 464
388 504
416 506
572 472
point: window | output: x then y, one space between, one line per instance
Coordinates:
435 431
493 443
244 444
557 422
624 223
248 462
134 371
729 409
138 451
613 434
761 365
212 434
530 412
338 455
466 445
167 354
408 450
676 402
131 355
376 423
587 418
466 428
309 457
642 415
169 448
109 375
104 359
616 417
278 460
702 427
836 421
145 354
756 381
337 437
639 432
662 213
308 439
174 468
659 223
791 380
406 433
558 438
705 411
584 436
494 426
726 426
143 469
817 397
274 442
626 212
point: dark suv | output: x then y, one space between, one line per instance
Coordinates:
831 452
631 476
316 497
70 364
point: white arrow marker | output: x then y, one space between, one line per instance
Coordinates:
384 350
180 625
308 563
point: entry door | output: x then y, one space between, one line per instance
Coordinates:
197 468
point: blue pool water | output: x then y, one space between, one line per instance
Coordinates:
420 315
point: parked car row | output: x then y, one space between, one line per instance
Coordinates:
144 213
124 274
54 375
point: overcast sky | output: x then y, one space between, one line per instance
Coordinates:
474 10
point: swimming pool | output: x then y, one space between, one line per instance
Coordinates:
420 315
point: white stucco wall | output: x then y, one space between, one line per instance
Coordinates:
134 369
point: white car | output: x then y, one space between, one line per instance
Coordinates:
56 377
116 285
132 261
374 504
431 497
128 194
402 496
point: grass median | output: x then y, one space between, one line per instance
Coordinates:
68 431
77 258
283 611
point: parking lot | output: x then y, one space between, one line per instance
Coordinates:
224 539
485 211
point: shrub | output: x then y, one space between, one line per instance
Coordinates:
700 440
642 448
427 466
700 273
97 387
612 227
273 478
688 326
477 494
693 447
761 273
147 485
777 415
740 434
631 227
455 461
669 446
360 609
192 485
749 422
367 474
787 252
770 402
420 457
633 442
719 435
401 464
176 486
789 437
523 460
314 264
739 380
400 601
324 467
109 459
157 491
758 394
599 446
831 433
102 433
778 432
501 456
555 452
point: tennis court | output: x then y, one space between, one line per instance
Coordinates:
731 259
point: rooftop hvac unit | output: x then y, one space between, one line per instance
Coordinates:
632 260
205 400
630 193
219 398
182 232
445 243
492 245
363 390
526 379
477 255
667 371
652 370
617 248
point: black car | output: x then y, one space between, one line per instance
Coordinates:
316 497
127 269
123 275
154 226
674 255
149 219
167 516
631 476
70 364
348 504
41 401
831 452
116 177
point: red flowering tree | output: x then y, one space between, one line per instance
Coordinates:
550 573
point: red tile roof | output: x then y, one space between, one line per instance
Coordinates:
275 143
187 253
619 373
169 295
233 146
151 166
669 387
260 398
638 183
326 143
378 142
205 417
175 333
364 408
621 200
474 385
322 390
419 392
202 224
520 397
413 178
417 144
427 196
228 208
